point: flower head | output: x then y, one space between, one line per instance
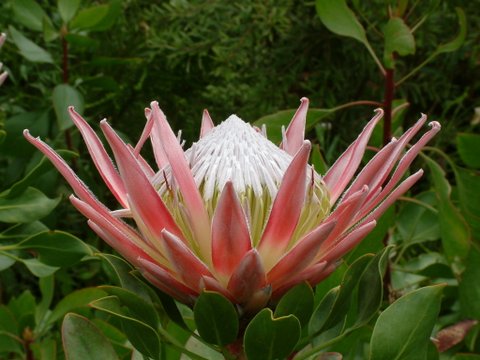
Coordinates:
235 213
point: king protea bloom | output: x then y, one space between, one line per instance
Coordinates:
235 213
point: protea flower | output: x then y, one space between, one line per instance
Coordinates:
235 213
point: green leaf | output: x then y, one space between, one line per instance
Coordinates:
28 207
142 336
5 262
216 318
468 146
29 14
139 308
274 122
297 301
83 340
416 223
64 96
38 268
323 312
45 349
56 248
49 31
469 287
67 9
47 286
403 330
77 299
8 332
454 230
28 49
269 338
468 184
398 39
98 18
339 19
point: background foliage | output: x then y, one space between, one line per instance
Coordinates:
111 58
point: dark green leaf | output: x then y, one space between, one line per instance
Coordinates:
64 96
67 9
216 318
455 44
297 301
141 335
38 268
47 286
29 14
28 49
468 183
77 299
469 287
29 206
323 312
49 31
56 248
83 340
269 338
403 330
469 147
5 262
454 230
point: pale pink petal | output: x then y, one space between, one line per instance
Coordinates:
378 169
143 163
248 277
230 235
295 134
394 195
347 243
313 274
198 216
186 263
340 174
166 282
212 284
286 208
78 186
402 167
147 205
301 255
207 124
100 158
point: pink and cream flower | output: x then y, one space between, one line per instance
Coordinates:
235 213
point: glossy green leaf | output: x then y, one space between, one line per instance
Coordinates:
398 39
454 230
416 223
142 336
23 230
47 286
67 9
269 338
56 248
297 301
468 145
216 318
323 312
403 330
28 49
469 287
339 19
5 261
38 268
77 299
83 340
31 205
139 308
274 122
8 330
29 13
49 31
64 96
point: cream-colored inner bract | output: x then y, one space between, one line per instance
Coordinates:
235 151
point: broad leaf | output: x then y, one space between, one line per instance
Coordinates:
398 39
28 49
64 96
468 145
28 13
67 9
403 330
83 340
216 318
297 301
269 338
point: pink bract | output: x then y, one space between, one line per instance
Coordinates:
235 213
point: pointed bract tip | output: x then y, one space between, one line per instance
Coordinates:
435 125
378 112
147 112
